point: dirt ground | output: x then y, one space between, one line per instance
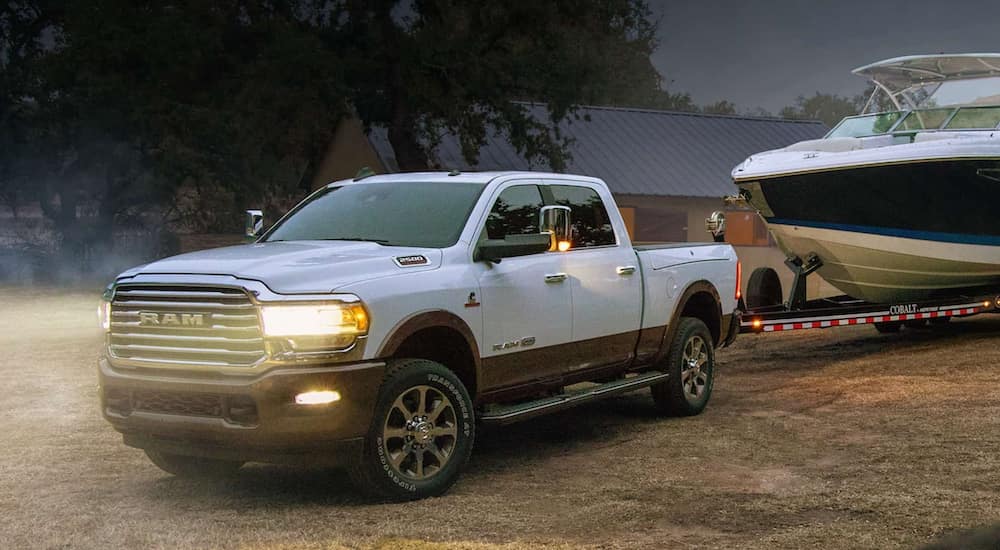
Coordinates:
837 438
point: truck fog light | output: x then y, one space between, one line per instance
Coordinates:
317 397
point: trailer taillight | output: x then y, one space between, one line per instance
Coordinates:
739 279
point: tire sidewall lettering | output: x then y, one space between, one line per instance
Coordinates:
387 468
458 398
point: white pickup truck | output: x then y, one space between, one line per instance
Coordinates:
383 318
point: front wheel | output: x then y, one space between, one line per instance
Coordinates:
421 434
193 466
691 365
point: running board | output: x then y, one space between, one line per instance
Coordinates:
508 414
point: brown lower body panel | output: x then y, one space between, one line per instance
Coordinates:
519 374
240 418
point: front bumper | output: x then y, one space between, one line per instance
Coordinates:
243 418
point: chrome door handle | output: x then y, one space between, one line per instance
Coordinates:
625 269
555 277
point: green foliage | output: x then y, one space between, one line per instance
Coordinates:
140 112
431 66
721 107
120 112
828 108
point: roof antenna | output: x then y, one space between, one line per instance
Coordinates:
364 172
454 172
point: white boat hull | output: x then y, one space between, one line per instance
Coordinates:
880 268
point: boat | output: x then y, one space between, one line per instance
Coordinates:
901 202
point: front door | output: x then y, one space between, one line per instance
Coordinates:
526 300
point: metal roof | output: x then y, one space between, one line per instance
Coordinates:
638 151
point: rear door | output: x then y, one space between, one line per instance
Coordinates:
526 301
605 279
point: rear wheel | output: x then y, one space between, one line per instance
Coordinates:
763 288
691 365
421 434
193 466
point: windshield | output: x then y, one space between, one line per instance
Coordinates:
422 214
962 118
867 125
980 91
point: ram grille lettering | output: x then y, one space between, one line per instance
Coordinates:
153 319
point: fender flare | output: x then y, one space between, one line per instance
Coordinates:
431 319
692 289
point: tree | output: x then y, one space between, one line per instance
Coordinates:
133 101
131 111
721 107
829 108
425 67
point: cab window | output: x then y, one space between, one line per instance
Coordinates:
516 212
591 225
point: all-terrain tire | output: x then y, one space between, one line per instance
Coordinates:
763 288
421 434
194 467
691 365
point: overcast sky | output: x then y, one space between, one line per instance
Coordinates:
765 53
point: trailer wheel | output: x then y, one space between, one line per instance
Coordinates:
763 288
888 327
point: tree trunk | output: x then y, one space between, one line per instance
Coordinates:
410 155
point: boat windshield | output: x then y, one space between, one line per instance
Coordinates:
980 91
895 122
866 125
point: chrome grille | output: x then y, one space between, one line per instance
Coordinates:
185 325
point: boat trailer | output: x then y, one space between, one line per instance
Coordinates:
763 309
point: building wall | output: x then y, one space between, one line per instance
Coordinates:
349 151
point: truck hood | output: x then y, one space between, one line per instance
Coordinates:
299 267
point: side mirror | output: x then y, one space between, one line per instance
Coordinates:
716 225
494 250
255 224
555 220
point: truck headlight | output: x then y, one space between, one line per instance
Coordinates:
104 309
314 320
307 328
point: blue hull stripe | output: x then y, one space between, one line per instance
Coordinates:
988 240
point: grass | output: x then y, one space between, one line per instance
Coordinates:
831 439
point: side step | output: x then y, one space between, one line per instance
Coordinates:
508 414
